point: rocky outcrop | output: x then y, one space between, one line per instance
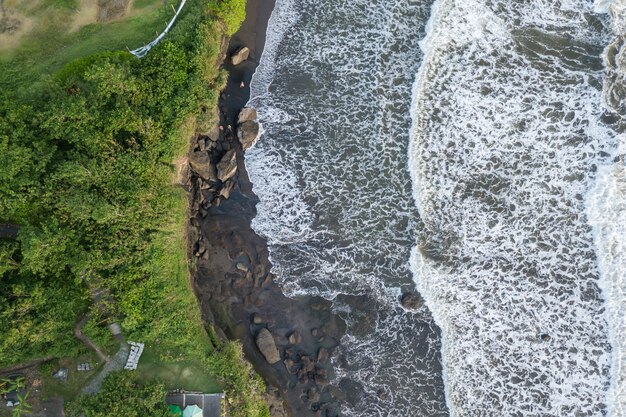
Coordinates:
240 55
248 133
267 346
227 167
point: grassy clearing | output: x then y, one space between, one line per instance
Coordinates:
185 374
53 39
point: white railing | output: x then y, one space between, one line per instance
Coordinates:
141 52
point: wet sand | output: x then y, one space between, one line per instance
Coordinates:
233 282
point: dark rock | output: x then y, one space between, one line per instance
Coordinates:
411 301
267 346
246 114
201 164
247 133
227 167
240 55
545 337
315 332
290 365
295 338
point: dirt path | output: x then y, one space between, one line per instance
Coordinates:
78 332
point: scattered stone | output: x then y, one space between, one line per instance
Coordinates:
313 394
295 338
410 301
321 381
266 344
242 267
322 354
290 365
248 133
201 164
246 114
240 55
227 167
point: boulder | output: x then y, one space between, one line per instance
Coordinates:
201 164
246 114
267 346
240 55
227 189
227 166
258 319
322 355
248 133
295 338
214 134
410 301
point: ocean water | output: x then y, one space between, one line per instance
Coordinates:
469 149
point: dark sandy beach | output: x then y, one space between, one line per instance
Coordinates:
233 282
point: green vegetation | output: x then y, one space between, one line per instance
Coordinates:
88 136
139 400
76 381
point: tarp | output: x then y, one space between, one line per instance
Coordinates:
175 411
192 411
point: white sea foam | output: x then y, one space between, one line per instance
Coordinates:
505 140
606 209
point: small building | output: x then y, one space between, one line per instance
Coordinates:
211 404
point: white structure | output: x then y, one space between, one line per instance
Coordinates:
133 357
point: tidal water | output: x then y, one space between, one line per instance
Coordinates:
470 150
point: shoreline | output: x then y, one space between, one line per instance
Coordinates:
232 279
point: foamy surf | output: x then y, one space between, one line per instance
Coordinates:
506 138
606 209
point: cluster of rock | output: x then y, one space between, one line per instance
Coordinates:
210 172
310 372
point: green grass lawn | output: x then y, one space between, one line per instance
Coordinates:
76 380
187 375
52 41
